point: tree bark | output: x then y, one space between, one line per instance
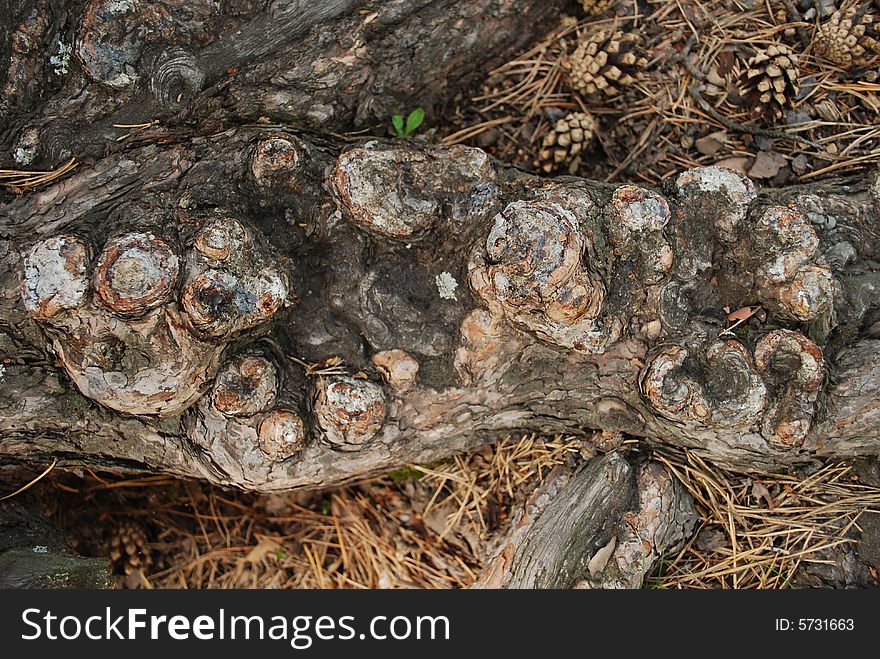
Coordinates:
605 526
73 71
263 307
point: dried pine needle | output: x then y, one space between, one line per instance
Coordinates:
21 181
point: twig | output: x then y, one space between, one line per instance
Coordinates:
21 181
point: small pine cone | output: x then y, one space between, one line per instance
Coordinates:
596 7
566 142
851 37
129 547
770 82
604 62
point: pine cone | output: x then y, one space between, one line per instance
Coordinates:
129 547
604 62
770 82
596 7
851 37
564 145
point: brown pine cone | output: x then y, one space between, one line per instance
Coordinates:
564 145
604 62
596 7
770 82
129 547
851 37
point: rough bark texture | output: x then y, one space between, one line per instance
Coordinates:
659 523
602 527
261 307
74 69
562 525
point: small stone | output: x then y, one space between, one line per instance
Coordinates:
800 164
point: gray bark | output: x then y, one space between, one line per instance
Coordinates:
605 526
264 307
324 65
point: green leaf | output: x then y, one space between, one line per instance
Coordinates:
397 122
414 120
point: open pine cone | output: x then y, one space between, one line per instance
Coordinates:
770 82
604 62
564 145
851 37
596 7
129 548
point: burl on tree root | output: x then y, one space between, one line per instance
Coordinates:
318 317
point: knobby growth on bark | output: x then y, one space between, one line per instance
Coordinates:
229 287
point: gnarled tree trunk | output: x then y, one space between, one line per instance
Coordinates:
239 293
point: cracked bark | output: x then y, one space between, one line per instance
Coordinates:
605 526
260 306
326 65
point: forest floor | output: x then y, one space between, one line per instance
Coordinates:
434 526
687 101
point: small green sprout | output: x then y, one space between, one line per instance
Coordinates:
413 121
